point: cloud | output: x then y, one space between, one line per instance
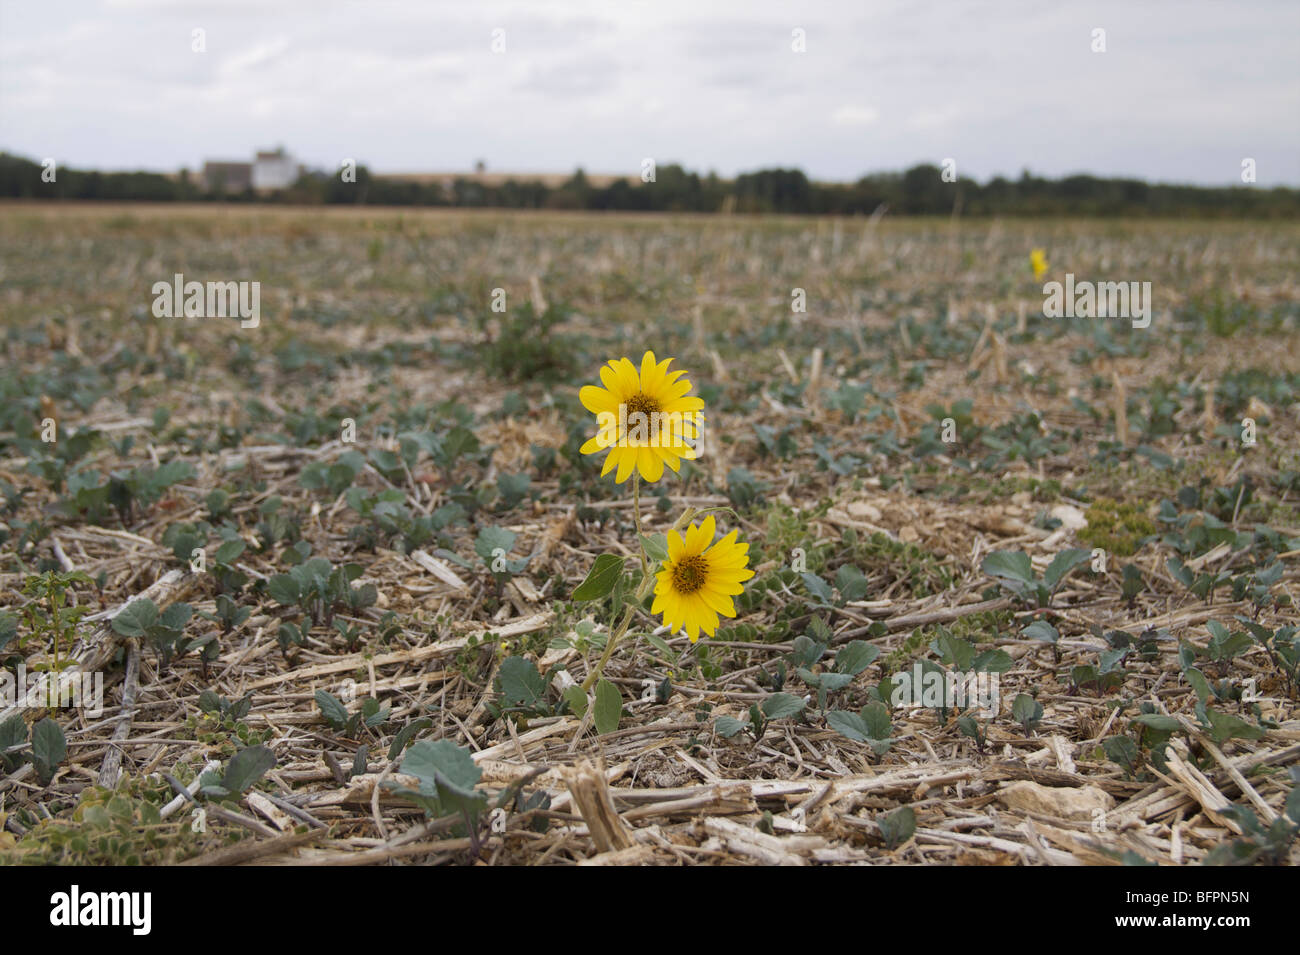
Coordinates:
1000 86
855 116
931 118
255 56
574 76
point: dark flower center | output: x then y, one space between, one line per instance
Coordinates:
642 403
689 574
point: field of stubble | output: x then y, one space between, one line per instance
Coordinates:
932 476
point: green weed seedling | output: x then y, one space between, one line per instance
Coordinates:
1202 585
493 545
775 707
897 827
13 736
290 634
8 631
1020 439
967 725
227 712
217 501
335 713
406 735
1107 676
809 648
350 632
185 538
228 613
130 493
244 769
1014 571
448 784
387 517
1260 844
959 654
850 584
870 725
333 477
1026 711
48 747
744 489
523 690
1283 649
162 631
276 526
1122 751
320 589
229 578
51 619
51 460
1257 585
527 346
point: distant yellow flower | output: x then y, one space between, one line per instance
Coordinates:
699 578
646 419
1038 261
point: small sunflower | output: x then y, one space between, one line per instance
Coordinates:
646 418
699 578
1038 262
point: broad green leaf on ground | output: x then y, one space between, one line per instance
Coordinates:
135 619
729 726
521 684
48 749
1062 564
1010 565
782 704
1041 630
247 767
856 657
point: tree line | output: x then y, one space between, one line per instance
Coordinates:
920 190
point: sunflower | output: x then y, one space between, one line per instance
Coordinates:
699 578
1038 262
646 419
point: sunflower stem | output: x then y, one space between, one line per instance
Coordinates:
636 514
617 633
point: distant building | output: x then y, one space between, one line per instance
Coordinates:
227 176
267 172
274 170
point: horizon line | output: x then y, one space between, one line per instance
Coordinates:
634 177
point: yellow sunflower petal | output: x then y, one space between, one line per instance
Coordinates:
718 602
629 382
723 586
699 536
650 465
611 460
676 546
626 462
647 376
596 399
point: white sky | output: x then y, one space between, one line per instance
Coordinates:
1184 91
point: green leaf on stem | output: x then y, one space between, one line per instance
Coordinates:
602 577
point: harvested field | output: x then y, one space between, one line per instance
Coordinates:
1095 520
